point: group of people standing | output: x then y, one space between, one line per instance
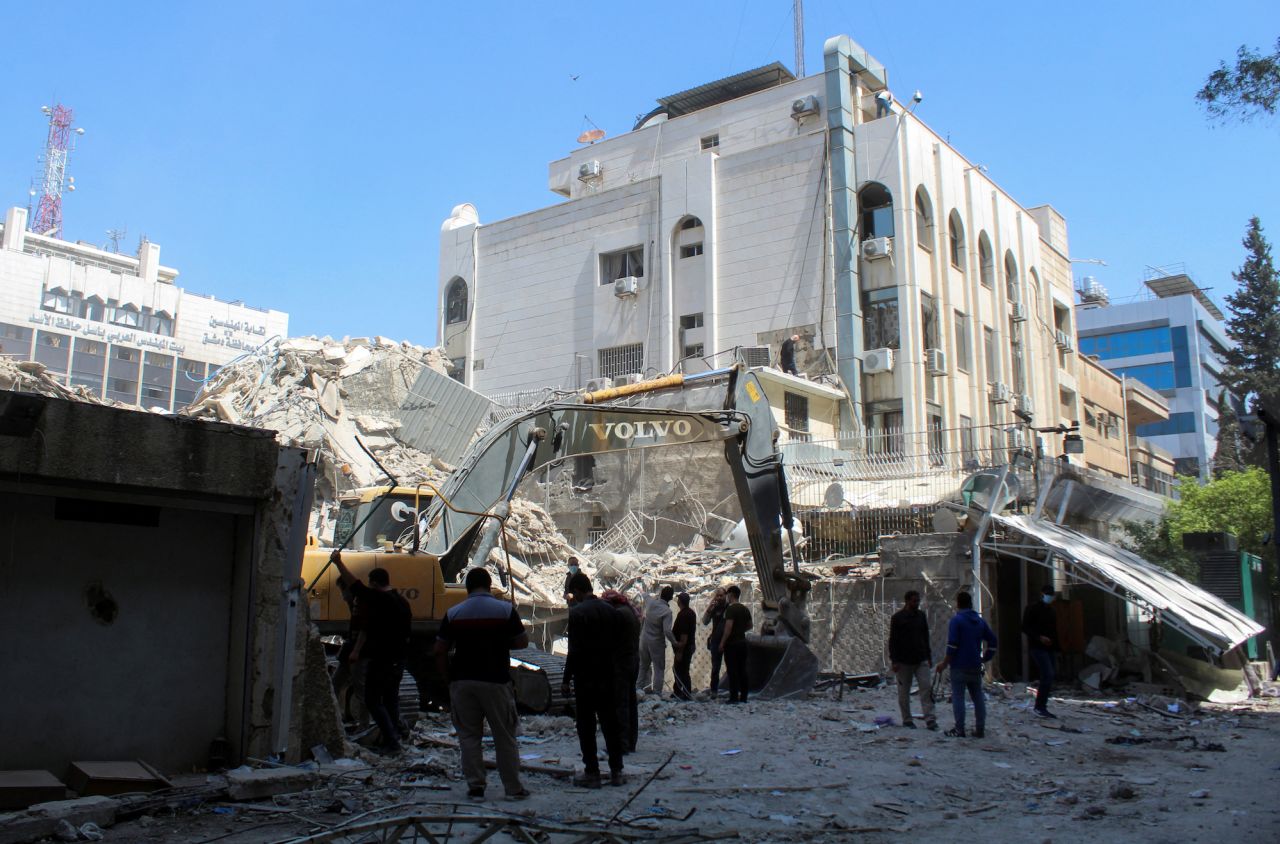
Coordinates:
971 644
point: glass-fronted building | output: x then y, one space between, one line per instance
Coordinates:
117 325
1173 342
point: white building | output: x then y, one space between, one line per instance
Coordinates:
115 324
742 211
1173 341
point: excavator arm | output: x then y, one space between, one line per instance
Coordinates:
463 523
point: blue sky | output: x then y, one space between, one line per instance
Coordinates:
302 155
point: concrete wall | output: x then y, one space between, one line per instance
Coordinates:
147 561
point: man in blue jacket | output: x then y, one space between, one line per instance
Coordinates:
966 658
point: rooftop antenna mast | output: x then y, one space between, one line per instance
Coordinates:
60 143
798 23
115 236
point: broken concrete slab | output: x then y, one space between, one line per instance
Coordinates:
374 425
246 784
357 360
20 789
43 819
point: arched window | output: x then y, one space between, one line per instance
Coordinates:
455 307
924 219
955 234
1035 288
986 261
1011 277
690 223
875 211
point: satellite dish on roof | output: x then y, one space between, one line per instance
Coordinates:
590 136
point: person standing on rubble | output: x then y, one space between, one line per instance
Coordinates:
483 630
573 569
966 659
684 629
910 656
714 615
626 669
733 643
1040 625
388 621
787 355
348 679
595 638
654 635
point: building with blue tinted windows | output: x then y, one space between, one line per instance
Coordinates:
1172 340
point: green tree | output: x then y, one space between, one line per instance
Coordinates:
1253 366
1246 90
1227 453
1238 503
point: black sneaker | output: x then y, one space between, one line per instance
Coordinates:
910 725
955 732
1044 713
979 732
932 725
617 778
588 780
476 794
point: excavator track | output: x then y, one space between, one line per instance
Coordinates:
538 677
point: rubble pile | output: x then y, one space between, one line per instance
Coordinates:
31 376
321 394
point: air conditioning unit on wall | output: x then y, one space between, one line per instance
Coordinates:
804 107
935 361
1024 403
877 248
1063 340
1000 393
632 378
877 360
589 170
628 285
1018 312
594 384
753 356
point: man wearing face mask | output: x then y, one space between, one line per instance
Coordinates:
573 569
1040 625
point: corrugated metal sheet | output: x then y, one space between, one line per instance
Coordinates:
1203 617
440 416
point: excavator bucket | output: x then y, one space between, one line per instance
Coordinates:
779 667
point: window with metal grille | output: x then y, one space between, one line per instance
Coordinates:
620 264
796 411
456 302
617 361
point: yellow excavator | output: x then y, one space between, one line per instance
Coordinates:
426 538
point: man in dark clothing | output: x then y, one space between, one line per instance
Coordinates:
627 669
573 569
714 615
483 630
787 356
1040 625
737 621
388 620
911 657
595 638
965 638
684 629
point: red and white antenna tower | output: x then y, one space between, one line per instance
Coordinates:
48 219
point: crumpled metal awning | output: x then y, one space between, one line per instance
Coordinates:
1201 616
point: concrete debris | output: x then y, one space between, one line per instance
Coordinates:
247 784
31 376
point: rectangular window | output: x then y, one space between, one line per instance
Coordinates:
621 360
709 142
620 264
1157 376
991 355
962 341
188 382
15 340
88 365
968 450
691 251
995 417
459 371
1015 350
1177 423
796 412
689 321
1123 344
123 365
157 380
929 321
694 350
60 302
880 318
53 350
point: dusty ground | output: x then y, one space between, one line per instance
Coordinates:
819 770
